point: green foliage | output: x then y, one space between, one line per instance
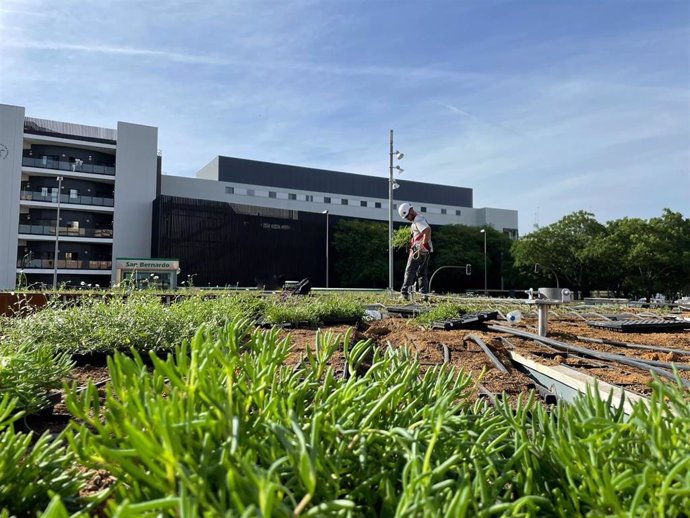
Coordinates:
458 245
221 425
31 470
627 256
361 250
442 311
28 372
314 310
103 324
563 250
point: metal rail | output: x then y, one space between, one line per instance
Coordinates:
589 352
633 346
488 352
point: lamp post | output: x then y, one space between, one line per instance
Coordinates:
57 233
326 213
486 291
392 184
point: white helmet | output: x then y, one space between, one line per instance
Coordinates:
404 210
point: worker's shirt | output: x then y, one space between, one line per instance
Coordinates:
418 226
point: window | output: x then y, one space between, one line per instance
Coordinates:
74 225
44 192
443 211
272 194
457 212
423 209
229 190
327 199
363 203
292 196
309 197
377 204
73 194
344 201
71 256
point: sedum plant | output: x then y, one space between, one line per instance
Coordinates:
28 372
221 426
32 470
314 311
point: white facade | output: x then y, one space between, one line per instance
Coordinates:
369 207
102 180
11 136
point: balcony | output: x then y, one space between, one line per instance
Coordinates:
49 230
64 264
68 199
61 165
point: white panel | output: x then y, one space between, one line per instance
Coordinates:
11 146
136 166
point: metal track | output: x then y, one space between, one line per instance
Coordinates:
567 383
488 352
588 352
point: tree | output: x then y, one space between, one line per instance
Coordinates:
654 255
361 253
458 245
565 249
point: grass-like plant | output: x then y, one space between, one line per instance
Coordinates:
32 470
141 321
29 371
314 310
221 425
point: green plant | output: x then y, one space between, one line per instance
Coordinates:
28 372
31 470
313 310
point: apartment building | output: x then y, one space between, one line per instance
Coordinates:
83 191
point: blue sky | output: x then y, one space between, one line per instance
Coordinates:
546 107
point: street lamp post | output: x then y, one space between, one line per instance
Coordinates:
326 213
486 291
392 184
57 233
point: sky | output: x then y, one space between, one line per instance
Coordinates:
546 107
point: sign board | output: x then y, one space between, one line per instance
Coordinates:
147 264
147 273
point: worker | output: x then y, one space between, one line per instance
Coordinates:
417 269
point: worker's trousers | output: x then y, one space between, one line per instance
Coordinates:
417 270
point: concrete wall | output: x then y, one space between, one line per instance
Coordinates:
136 166
210 170
11 144
500 219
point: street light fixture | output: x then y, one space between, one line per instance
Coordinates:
486 291
326 213
57 233
392 184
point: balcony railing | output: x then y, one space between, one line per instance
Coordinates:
66 198
49 230
62 165
65 264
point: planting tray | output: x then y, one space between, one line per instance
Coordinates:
466 321
642 326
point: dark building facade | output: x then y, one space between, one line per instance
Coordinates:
227 244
